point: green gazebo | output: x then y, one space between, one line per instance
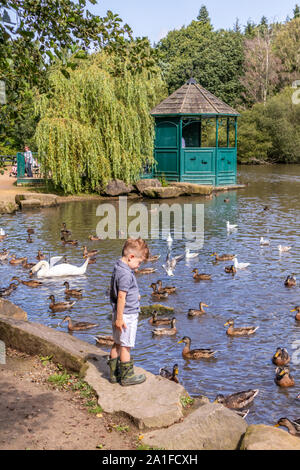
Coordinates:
195 137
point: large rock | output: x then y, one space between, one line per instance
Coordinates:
262 437
8 207
141 185
163 192
117 188
44 200
191 189
30 204
210 427
10 310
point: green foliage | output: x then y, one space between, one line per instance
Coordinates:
186 401
96 126
203 15
59 379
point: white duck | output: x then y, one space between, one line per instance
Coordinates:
190 255
2 231
264 241
238 265
284 249
45 269
230 227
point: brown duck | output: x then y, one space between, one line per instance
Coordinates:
72 292
168 289
281 357
60 306
297 309
283 377
145 271
188 353
6 291
159 321
241 331
173 376
104 340
223 257
40 256
293 427
200 277
30 283
230 269
166 331
290 281
237 401
27 265
29 239
156 294
94 238
15 260
4 255
194 312
80 325
89 254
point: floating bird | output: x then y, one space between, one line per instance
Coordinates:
297 309
159 321
293 427
194 312
6 291
169 239
4 255
94 238
72 292
44 269
30 283
153 258
223 257
283 377
264 241
29 239
190 255
200 277
145 271
281 357
170 263
64 231
170 375
290 281
2 231
241 331
27 265
238 265
188 353
92 260
80 325
230 269
104 340
156 294
89 254
69 242
15 260
230 227
60 306
40 256
30 231
284 249
226 200
168 289
166 331
237 401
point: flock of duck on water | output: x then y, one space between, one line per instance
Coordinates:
54 267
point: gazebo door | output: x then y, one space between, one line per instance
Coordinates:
167 147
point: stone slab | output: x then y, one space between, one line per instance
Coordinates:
192 189
10 310
45 200
163 192
262 437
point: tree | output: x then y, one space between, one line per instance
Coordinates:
286 46
250 29
203 15
296 11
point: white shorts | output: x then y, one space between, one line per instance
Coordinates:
127 336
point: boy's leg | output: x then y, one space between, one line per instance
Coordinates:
113 363
127 375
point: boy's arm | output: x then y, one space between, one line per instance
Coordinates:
119 323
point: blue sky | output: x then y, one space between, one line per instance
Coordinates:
155 18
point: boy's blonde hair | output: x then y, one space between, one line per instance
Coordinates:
136 246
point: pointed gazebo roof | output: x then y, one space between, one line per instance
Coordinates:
192 98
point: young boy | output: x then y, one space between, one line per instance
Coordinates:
125 301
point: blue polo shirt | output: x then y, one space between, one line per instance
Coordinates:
123 278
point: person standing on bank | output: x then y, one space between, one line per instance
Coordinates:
125 302
28 161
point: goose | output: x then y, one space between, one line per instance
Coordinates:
284 249
44 269
230 227
264 241
190 255
238 265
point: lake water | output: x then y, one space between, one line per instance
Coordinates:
255 296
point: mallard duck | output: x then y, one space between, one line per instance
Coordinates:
166 331
170 375
281 357
89 254
69 242
230 269
193 312
29 239
168 289
92 260
40 256
94 238
104 340
241 331
4 255
15 260
31 283
293 427
154 320
297 309
237 401
223 257
290 281
72 292
156 294
188 353
283 377
145 271
153 258
59 306
30 231
27 265
80 325
201 277
6 291
64 231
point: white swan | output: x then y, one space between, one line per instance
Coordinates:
44 269
238 265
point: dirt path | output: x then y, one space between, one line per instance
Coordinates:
38 415
7 188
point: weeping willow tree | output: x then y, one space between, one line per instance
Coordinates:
96 126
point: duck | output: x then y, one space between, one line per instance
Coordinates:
168 289
200 277
190 255
293 427
166 331
59 306
264 241
44 269
241 331
6 291
283 377
4 255
227 200
40 256
29 239
297 309
30 283
156 294
153 258
64 231
75 326
223 257
15 260
230 269
284 249
69 242
94 238
230 227
30 231
170 375
154 320
193 312
92 260
89 254
171 263
238 265
290 281
237 401
3 235
104 340
145 271
27 265
72 292
188 353
281 357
